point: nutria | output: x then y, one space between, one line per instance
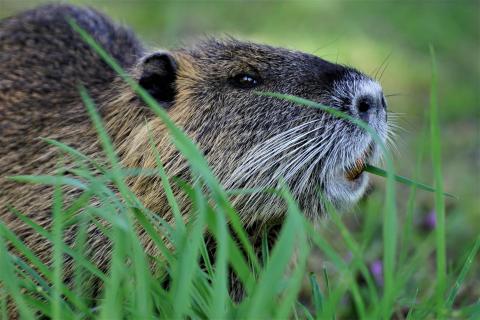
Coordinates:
210 89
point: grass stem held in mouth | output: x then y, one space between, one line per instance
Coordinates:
382 173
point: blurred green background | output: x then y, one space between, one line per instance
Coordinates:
365 34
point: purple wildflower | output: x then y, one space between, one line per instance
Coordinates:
376 268
429 221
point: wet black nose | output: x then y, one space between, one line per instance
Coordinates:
369 104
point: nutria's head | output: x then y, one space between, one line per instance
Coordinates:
249 140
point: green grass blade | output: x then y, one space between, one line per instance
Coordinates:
206 258
406 181
265 248
237 257
154 234
408 228
28 271
302 249
167 188
9 281
350 282
463 273
187 263
435 138
26 251
263 297
3 304
112 292
57 257
471 312
45 276
305 311
75 153
355 249
49 180
317 296
80 275
220 290
40 230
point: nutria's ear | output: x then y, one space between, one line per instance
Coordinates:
158 73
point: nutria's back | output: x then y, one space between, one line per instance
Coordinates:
42 62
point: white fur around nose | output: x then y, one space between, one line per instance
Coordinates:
353 86
368 87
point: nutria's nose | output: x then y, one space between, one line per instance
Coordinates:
368 104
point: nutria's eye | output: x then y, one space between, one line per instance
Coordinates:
245 81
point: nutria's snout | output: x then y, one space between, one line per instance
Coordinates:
348 181
369 103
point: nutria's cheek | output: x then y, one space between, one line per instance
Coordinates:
344 193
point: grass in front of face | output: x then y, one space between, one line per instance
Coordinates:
135 287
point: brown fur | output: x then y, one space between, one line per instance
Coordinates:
42 62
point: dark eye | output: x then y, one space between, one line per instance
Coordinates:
245 81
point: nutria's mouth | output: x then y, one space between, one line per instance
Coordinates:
354 171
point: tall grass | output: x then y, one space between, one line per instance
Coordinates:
439 200
135 284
